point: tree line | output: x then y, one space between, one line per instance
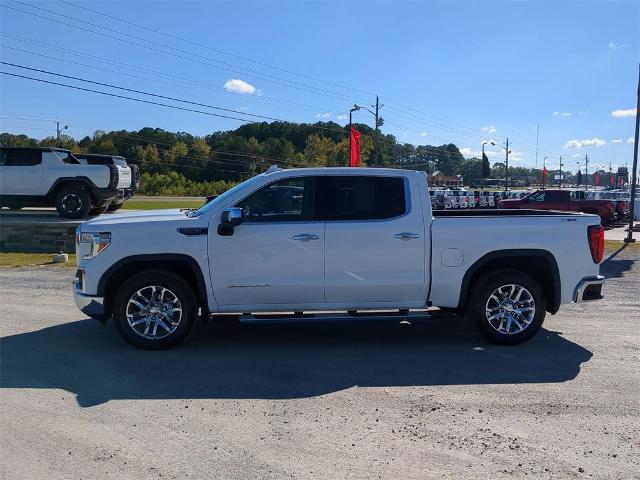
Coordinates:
234 155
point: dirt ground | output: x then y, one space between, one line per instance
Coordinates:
391 400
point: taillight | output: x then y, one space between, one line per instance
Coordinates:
595 235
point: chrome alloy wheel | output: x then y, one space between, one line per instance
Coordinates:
154 312
510 309
72 203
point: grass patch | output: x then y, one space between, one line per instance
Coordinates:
159 204
611 246
32 259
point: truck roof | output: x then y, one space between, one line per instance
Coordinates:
40 149
351 170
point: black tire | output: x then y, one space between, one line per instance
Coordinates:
115 206
504 313
177 287
98 210
73 202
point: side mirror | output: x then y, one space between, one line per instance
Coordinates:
230 218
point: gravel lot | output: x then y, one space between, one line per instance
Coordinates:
326 401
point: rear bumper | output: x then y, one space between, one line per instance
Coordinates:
589 289
88 304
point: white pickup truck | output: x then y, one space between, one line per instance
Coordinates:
333 239
47 176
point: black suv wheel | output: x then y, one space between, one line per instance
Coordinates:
73 202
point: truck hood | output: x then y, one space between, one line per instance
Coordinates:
169 215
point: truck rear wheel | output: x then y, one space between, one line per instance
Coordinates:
154 310
507 306
73 202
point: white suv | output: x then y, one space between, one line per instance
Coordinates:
49 176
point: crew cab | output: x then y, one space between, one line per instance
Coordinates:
47 176
333 239
563 200
124 193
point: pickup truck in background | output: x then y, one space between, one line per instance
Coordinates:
563 201
100 159
47 176
333 239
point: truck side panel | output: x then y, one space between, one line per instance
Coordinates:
459 242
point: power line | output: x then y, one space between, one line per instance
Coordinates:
102 84
226 66
261 98
175 37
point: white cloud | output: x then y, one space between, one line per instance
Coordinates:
323 115
489 129
593 142
470 153
630 140
423 134
616 46
342 117
616 140
561 114
235 85
623 113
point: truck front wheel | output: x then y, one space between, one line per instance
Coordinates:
507 306
154 310
73 202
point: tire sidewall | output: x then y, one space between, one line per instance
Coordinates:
82 194
165 279
485 286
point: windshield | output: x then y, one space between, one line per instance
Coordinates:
223 197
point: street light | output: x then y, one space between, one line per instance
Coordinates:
483 144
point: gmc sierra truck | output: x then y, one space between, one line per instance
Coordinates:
44 177
333 239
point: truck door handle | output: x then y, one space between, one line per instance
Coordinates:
305 237
406 236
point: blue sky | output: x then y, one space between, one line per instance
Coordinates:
459 72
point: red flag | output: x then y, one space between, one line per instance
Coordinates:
545 172
354 159
596 179
612 181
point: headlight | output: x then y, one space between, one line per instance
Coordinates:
88 245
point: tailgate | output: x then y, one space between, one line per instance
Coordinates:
124 177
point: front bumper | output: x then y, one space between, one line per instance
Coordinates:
88 304
589 289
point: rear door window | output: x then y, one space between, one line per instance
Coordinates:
21 157
360 198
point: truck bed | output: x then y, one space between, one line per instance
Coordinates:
500 212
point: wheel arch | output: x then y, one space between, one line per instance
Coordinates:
183 265
64 182
540 264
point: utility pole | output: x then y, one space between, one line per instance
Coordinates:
59 131
544 166
537 134
506 168
561 172
379 123
586 171
630 238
